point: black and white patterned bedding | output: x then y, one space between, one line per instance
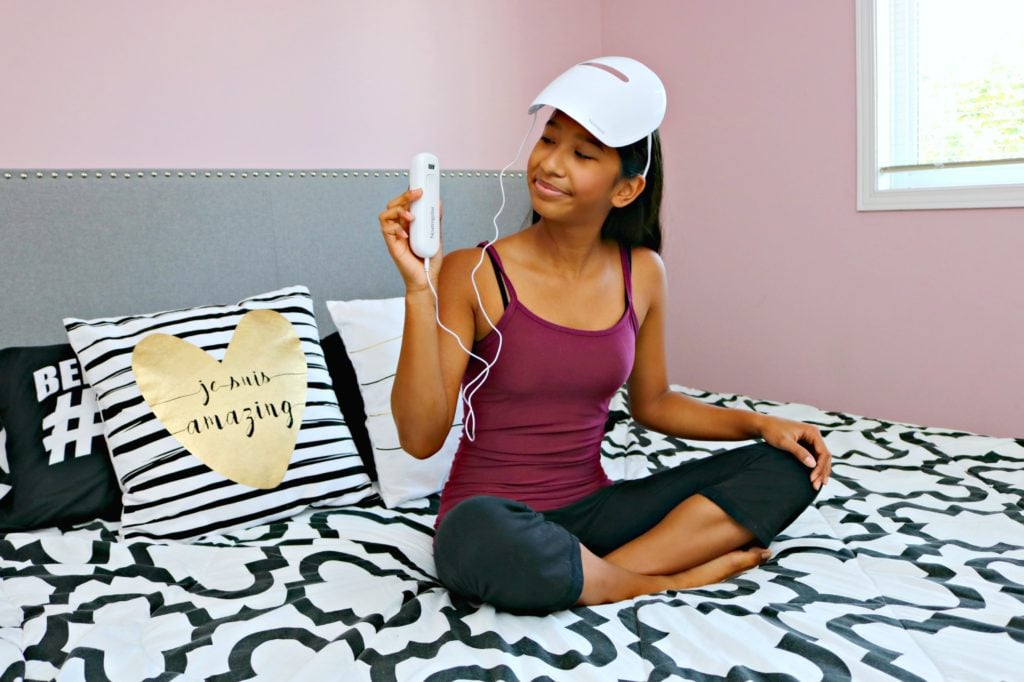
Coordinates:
910 565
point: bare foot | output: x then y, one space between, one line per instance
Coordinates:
605 582
719 568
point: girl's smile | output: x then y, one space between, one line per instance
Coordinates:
547 189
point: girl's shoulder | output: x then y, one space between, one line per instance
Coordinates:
647 262
650 282
461 260
467 258
462 266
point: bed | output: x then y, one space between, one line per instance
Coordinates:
909 565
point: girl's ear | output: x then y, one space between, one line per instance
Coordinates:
627 190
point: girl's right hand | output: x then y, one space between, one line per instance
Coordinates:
394 225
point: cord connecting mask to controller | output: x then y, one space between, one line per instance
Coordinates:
423 240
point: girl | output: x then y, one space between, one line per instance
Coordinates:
528 520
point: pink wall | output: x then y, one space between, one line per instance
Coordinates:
780 289
266 83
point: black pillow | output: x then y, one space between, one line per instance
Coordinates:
58 472
346 388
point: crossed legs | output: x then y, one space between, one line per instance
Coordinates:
657 561
633 538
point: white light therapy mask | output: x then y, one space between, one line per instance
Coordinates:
617 99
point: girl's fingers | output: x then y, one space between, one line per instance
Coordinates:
804 441
819 476
391 218
396 234
396 210
394 226
406 198
802 453
824 467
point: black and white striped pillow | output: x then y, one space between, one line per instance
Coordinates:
169 493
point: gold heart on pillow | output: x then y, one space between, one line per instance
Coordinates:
240 416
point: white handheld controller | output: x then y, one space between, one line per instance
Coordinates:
425 231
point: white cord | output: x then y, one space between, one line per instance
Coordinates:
648 166
473 385
469 419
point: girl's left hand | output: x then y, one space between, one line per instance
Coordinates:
804 442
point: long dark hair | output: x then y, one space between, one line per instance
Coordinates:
639 223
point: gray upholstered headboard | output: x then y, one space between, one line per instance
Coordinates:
92 243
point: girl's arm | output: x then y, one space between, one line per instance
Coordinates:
430 363
657 407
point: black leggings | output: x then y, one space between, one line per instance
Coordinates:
504 553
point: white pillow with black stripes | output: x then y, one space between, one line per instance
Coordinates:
372 332
169 493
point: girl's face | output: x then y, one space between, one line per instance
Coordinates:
572 176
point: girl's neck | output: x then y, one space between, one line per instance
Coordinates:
569 247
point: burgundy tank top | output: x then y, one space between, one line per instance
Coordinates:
540 415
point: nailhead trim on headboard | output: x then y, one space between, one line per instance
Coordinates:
128 175
95 242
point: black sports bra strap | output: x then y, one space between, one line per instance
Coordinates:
627 272
501 280
626 254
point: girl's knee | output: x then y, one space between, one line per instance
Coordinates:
470 525
504 553
776 486
784 466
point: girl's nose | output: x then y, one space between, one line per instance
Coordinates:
552 163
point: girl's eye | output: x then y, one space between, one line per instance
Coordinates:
584 156
546 140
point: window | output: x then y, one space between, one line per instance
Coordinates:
940 104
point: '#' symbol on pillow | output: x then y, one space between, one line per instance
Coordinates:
70 430
240 416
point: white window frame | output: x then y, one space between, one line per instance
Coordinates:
869 196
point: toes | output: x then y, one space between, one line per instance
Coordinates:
748 559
